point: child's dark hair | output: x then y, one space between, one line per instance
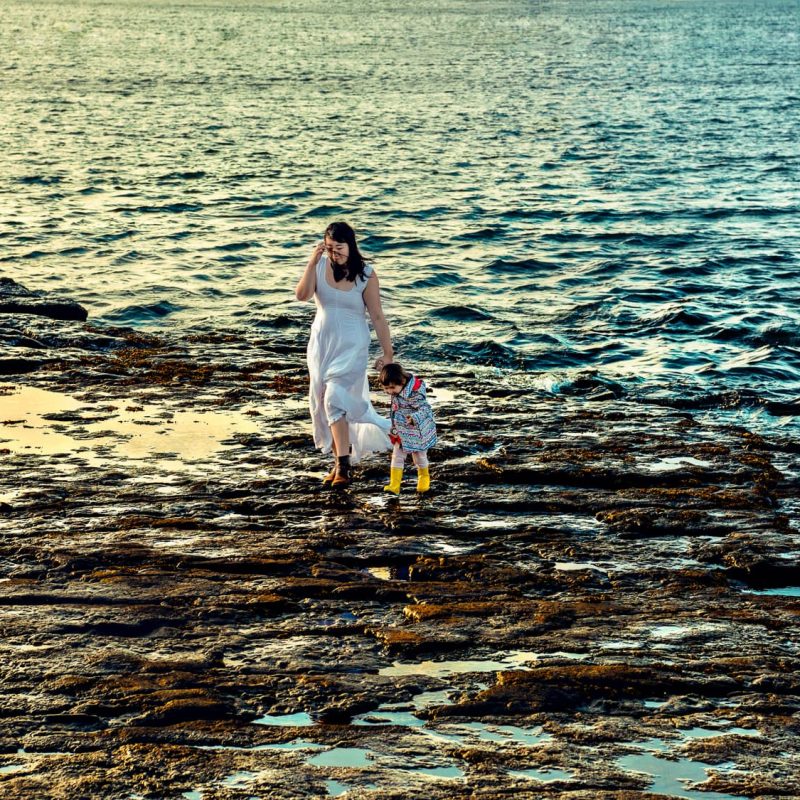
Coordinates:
393 373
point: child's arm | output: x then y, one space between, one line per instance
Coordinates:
307 284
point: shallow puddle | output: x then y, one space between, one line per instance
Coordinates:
300 720
620 644
388 573
294 744
450 549
439 772
462 733
436 396
670 777
541 775
130 430
441 669
427 699
468 732
780 591
239 779
335 788
709 733
402 714
353 757
403 718
574 566
655 746
674 463
681 631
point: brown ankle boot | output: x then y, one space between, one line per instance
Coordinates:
328 479
342 474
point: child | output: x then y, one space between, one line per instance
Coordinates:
413 429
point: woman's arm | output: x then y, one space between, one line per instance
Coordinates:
372 298
307 284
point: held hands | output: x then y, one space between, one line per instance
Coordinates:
382 361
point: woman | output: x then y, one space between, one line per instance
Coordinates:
343 285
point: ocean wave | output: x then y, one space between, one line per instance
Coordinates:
479 235
180 177
524 266
113 237
726 399
460 313
440 279
327 211
671 318
581 384
169 208
40 180
778 333
486 352
270 209
131 257
278 322
137 314
533 214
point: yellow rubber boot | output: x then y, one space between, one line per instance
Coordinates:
395 479
423 479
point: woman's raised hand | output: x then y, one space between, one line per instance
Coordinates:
319 249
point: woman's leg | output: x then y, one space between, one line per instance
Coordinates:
340 431
332 474
341 446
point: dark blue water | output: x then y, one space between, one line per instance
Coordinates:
575 194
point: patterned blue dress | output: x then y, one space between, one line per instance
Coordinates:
412 417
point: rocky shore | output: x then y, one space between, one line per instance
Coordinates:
597 600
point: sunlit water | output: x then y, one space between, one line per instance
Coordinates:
546 188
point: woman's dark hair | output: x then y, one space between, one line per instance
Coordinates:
393 373
355 266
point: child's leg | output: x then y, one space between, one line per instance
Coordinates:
420 459
398 457
423 475
396 472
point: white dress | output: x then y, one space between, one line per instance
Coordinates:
338 354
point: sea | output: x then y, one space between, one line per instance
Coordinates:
578 197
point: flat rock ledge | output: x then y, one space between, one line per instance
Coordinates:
596 601
16 299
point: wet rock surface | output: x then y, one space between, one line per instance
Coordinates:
596 600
